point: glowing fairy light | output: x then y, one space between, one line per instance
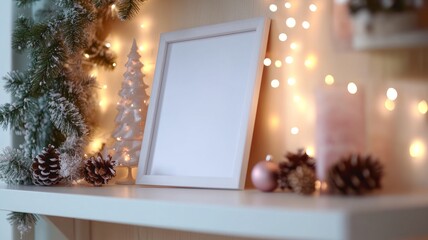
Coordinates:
287 5
423 107
267 62
289 59
391 94
282 37
108 45
294 130
313 7
278 63
274 83
273 7
291 81
352 88
306 25
329 80
389 105
290 22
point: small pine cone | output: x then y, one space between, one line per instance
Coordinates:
302 180
301 158
99 171
46 167
355 175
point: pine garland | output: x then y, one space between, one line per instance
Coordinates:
54 99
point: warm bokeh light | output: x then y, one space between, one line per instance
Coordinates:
306 25
291 81
273 7
352 88
389 105
289 59
297 99
282 37
274 122
287 5
95 145
329 80
278 63
267 62
294 130
294 46
417 149
274 83
310 151
423 107
391 94
313 7
311 62
290 22
108 45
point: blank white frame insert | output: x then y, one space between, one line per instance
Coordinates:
203 103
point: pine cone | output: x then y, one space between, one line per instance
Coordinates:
302 180
99 171
355 175
301 158
46 167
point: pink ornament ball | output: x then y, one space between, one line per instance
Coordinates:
264 176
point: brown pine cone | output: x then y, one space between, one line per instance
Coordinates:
45 167
99 171
355 175
302 180
301 158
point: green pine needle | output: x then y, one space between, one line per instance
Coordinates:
23 221
66 117
128 8
14 168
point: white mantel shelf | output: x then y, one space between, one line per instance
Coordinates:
239 213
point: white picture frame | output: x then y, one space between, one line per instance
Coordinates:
202 107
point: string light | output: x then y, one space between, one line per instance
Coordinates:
417 149
86 55
141 48
352 88
105 86
108 45
389 105
310 151
290 22
423 107
267 62
278 63
294 46
274 83
294 130
113 7
306 25
287 5
282 37
329 80
273 7
114 64
311 62
291 81
289 59
391 94
313 7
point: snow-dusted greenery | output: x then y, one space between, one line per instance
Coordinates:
54 97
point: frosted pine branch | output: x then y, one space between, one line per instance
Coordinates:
23 221
14 168
66 117
128 8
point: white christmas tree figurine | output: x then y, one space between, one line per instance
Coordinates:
131 118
